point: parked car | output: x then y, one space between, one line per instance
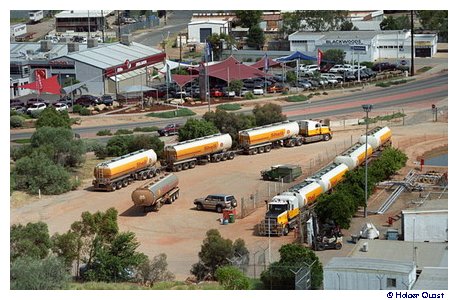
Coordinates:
36 107
258 90
216 93
331 78
170 129
59 106
33 101
244 91
384 66
369 72
107 100
87 100
305 84
228 93
349 76
216 202
66 100
308 69
277 88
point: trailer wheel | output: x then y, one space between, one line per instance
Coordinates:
326 137
217 157
185 166
299 142
192 164
113 186
151 174
231 155
255 151
179 167
144 175
224 156
168 200
268 148
261 149
285 230
119 185
157 172
125 183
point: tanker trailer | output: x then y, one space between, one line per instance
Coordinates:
121 171
329 176
284 209
377 137
313 131
354 156
261 139
156 193
185 155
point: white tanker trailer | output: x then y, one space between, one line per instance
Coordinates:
377 137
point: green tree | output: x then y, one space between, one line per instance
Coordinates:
216 41
316 20
392 23
196 128
232 278
291 76
29 240
435 20
347 26
38 172
66 246
115 261
268 114
248 18
155 270
255 37
236 86
59 145
119 145
146 142
50 117
280 274
291 23
16 121
334 55
28 273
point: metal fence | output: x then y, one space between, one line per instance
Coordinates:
150 22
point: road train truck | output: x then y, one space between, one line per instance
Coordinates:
121 171
313 131
185 155
154 194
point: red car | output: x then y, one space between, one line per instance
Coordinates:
216 93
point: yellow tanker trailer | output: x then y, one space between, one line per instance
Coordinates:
185 155
156 193
121 171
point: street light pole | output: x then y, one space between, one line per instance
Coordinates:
367 108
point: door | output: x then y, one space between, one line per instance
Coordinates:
422 52
204 34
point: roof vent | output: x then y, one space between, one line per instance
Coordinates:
73 47
45 46
92 43
126 39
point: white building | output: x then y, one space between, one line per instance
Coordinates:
348 273
199 31
375 45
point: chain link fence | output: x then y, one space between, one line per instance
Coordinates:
150 22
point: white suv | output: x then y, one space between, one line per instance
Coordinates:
308 69
258 90
36 107
332 79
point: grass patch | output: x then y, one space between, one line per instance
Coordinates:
229 106
178 285
393 82
297 98
183 112
21 141
166 285
123 131
146 129
424 69
385 118
104 132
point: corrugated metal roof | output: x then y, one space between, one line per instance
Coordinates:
432 279
426 254
18 51
358 34
370 264
83 13
109 55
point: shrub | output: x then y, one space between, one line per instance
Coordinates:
231 278
183 112
104 132
50 117
77 108
16 121
85 111
229 106
249 96
297 98
123 131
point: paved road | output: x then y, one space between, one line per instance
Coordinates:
176 21
420 90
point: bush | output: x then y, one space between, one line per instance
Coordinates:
249 96
104 132
50 117
231 278
100 151
77 108
183 112
196 128
123 131
85 111
16 121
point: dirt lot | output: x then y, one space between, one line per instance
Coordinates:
178 229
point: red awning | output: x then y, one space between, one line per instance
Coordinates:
231 69
48 85
261 63
181 80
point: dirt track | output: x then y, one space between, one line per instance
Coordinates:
178 229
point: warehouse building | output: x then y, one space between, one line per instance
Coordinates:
369 45
349 273
199 31
81 20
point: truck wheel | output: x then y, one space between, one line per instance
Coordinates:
231 155
169 200
185 166
119 184
192 164
285 230
219 209
255 151
217 157
224 156
151 174
125 183
298 142
113 186
338 246
157 172
261 149
179 167
199 206
144 175
326 137
268 148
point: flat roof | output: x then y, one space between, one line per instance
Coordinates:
370 264
432 279
18 51
113 54
429 205
425 254
83 13
217 22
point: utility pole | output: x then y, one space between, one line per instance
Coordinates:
119 27
412 46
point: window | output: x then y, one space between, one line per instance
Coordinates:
391 282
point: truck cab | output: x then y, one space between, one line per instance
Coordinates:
314 131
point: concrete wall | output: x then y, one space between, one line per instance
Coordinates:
93 76
429 226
